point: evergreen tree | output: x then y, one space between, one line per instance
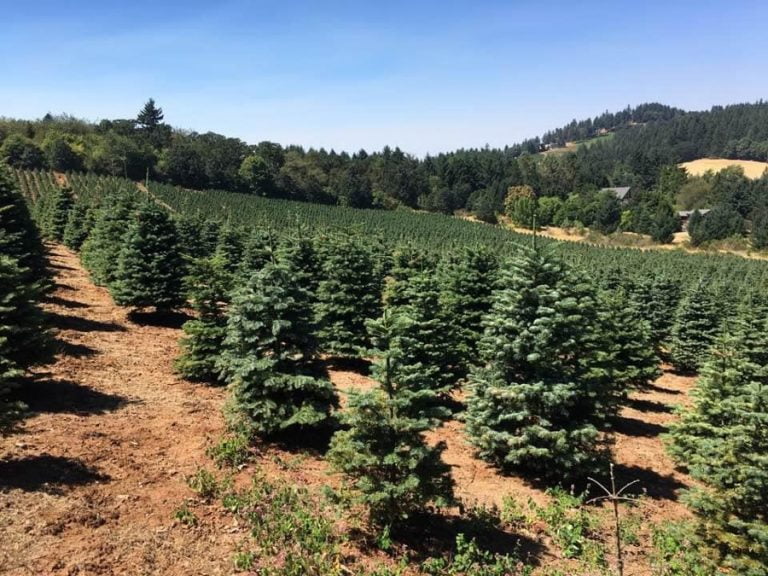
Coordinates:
269 356
407 262
24 339
101 249
150 269
383 450
80 221
348 294
723 443
198 236
59 207
230 247
467 284
628 336
697 323
300 256
150 116
546 384
258 250
19 238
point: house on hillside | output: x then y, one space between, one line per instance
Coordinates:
685 216
621 192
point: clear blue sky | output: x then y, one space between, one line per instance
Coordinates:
427 76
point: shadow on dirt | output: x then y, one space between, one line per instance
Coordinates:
652 484
357 365
63 322
73 349
638 428
63 396
46 473
159 319
64 303
649 406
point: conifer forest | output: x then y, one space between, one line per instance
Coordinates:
333 364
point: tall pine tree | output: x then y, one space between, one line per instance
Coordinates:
697 324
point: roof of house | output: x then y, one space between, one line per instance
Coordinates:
619 191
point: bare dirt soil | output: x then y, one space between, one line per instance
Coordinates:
91 484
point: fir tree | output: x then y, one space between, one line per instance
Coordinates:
19 238
300 256
101 249
150 269
697 323
658 301
407 262
545 385
80 221
258 250
230 247
383 450
269 356
198 236
723 443
207 290
150 116
348 294
61 203
628 336
467 284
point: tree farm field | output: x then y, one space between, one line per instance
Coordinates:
95 482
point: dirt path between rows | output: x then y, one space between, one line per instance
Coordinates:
91 484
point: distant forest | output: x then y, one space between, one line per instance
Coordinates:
644 142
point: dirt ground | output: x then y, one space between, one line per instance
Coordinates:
91 484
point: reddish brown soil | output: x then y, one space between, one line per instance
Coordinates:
91 485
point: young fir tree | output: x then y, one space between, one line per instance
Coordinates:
61 202
628 335
406 263
383 450
268 356
300 256
101 249
149 269
230 247
19 238
79 222
258 250
545 385
658 301
348 295
24 339
198 236
722 441
697 324
207 288
467 282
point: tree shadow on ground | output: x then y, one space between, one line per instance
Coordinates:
64 303
657 388
47 395
314 441
159 319
47 473
57 266
654 485
649 406
73 349
360 366
638 428
433 535
63 322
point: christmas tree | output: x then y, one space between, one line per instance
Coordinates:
697 324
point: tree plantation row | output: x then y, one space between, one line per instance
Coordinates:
544 352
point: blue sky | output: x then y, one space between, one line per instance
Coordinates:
427 76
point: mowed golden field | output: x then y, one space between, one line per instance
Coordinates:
752 168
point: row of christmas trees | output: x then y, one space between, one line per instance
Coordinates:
24 339
546 354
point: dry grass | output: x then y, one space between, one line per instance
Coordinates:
752 168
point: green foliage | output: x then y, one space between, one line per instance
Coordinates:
149 268
382 451
545 384
100 251
268 356
231 451
722 441
207 290
55 220
677 552
697 324
348 294
21 152
80 221
471 560
721 222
